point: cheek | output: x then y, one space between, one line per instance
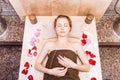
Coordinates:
69 29
57 30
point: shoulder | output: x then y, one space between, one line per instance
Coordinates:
76 45
50 42
72 39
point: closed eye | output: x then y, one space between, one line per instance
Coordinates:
66 25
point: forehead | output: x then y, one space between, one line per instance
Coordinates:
62 20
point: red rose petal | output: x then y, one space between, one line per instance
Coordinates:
92 55
83 42
87 52
84 35
26 65
30 77
29 51
93 78
24 71
35 54
92 62
34 48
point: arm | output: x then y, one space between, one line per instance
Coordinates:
41 57
84 67
85 64
58 71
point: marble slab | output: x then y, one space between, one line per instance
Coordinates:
36 34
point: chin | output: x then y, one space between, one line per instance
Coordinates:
62 35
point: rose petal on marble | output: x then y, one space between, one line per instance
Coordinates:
34 48
35 54
38 29
88 33
92 62
83 41
37 33
88 41
92 55
93 78
29 51
37 40
30 77
24 71
84 35
32 41
27 65
29 55
87 52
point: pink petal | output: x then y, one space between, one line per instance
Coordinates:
88 41
35 53
37 40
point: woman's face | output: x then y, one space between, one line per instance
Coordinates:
62 27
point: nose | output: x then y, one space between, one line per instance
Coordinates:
62 28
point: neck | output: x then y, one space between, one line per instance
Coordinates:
62 39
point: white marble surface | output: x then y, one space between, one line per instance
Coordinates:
42 31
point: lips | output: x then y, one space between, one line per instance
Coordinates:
62 31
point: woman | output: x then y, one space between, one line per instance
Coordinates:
62 54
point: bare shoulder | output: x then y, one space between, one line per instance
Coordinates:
77 47
49 44
76 44
72 39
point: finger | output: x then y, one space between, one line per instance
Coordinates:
64 64
61 62
61 57
65 70
66 58
66 61
60 68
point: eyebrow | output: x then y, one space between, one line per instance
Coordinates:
64 23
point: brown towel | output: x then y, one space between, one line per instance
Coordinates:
52 62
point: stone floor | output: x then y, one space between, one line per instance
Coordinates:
110 62
9 62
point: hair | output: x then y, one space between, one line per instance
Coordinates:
63 16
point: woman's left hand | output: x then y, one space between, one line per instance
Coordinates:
66 62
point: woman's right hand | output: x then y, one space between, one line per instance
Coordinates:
59 72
